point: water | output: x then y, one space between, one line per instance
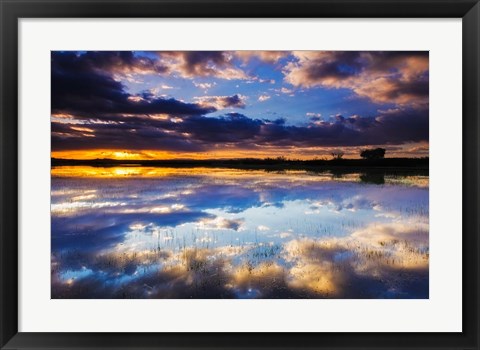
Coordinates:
141 232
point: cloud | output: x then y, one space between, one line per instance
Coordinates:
200 133
78 87
266 56
187 64
404 126
219 223
221 102
166 243
92 110
284 90
381 76
315 268
415 232
263 98
364 263
124 63
193 64
204 86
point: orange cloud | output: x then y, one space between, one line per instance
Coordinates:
193 64
263 98
383 77
266 56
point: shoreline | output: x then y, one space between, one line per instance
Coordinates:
344 165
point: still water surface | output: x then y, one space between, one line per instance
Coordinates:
141 232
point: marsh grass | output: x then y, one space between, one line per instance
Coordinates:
337 251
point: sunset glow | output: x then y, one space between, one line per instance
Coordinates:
419 149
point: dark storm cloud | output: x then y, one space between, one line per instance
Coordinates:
233 128
194 133
396 127
200 133
134 133
80 84
121 62
341 66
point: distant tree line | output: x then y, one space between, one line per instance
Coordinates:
376 153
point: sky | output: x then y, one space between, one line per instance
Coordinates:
238 104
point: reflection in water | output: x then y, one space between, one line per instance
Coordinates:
141 232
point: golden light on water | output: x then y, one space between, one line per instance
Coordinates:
125 171
141 171
242 174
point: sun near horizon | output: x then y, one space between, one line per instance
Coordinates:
308 154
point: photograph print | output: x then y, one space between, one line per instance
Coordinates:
239 175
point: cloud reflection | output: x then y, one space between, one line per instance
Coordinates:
169 237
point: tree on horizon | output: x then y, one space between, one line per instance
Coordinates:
377 153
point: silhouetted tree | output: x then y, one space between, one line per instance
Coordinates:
337 155
377 153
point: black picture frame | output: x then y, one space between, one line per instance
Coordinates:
13 10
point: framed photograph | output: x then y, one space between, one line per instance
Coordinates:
217 174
